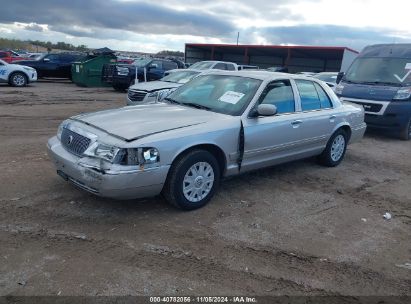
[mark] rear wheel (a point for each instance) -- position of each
(192, 180)
(335, 149)
(406, 132)
(18, 79)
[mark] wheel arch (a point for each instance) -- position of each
(343, 126)
(214, 149)
(18, 71)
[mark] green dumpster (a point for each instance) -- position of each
(88, 71)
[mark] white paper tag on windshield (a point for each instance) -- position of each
(231, 97)
(408, 66)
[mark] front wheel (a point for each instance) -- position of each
(18, 79)
(335, 149)
(406, 132)
(192, 180)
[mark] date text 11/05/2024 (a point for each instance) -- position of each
(238, 299)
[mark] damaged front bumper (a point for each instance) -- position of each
(86, 173)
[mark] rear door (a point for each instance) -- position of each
(318, 117)
(272, 139)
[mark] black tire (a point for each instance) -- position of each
(405, 134)
(173, 188)
(18, 79)
(326, 158)
(119, 88)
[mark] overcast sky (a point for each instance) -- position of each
(151, 26)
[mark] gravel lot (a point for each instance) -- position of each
(295, 229)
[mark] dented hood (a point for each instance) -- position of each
(135, 122)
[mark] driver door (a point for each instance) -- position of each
(155, 70)
(269, 140)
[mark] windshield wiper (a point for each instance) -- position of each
(196, 105)
(170, 100)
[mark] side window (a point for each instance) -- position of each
(169, 65)
(158, 64)
(3, 55)
(53, 57)
(280, 94)
(220, 66)
(230, 67)
(324, 99)
(308, 94)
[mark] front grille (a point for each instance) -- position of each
(368, 107)
(371, 107)
(136, 95)
(74, 142)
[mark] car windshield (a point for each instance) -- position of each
(380, 70)
(326, 77)
(202, 65)
(141, 62)
(180, 76)
(218, 93)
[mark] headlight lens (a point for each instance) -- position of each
(403, 94)
(339, 89)
(137, 156)
(106, 152)
(160, 94)
(60, 129)
(150, 155)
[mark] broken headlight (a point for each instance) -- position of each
(137, 156)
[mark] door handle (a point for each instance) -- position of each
(296, 123)
(332, 117)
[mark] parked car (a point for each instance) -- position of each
(330, 78)
(16, 75)
(153, 91)
(53, 64)
(214, 65)
(121, 76)
(216, 125)
(9, 57)
(380, 80)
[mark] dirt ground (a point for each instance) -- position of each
(294, 229)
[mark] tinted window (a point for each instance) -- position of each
(158, 64)
(169, 65)
(3, 54)
(52, 57)
(230, 67)
(220, 66)
(324, 99)
(308, 94)
(280, 94)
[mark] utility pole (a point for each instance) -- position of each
(238, 36)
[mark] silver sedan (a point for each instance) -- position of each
(217, 125)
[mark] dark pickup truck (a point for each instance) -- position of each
(53, 64)
(121, 76)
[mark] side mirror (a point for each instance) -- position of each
(46, 59)
(264, 110)
(339, 77)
